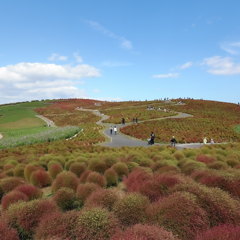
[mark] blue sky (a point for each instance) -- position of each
(119, 50)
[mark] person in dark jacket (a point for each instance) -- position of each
(152, 136)
(173, 141)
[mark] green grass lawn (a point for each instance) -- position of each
(20, 118)
(237, 128)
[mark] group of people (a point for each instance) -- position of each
(205, 141)
(113, 129)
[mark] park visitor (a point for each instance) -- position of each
(136, 120)
(152, 137)
(205, 140)
(173, 141)
(123, 121)
(111, 130)
(133, 120)
(115, 130)
(212, 142)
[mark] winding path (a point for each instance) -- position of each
(121, 139)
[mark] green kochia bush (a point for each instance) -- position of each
(95, 224)
(111, 177)
(131, 209)
(65, 179)
(9, 183)
(97, 178)
(65, 198)
(77, 168)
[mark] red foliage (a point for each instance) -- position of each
(9, 183)
(84, 176)
(40, 178)
(7, 233)
(65, 179)
(143, 182)
(95, 177)
(84, 190)
(221, 232)
(205, 159)
(144, 232)
(31, 191)
(102, 198)
(54, 170)
(57, 226)
(29, 217)
(12, 197)
(180, 214)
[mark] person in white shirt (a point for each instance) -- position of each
(115, 130)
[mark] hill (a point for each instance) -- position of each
(77, 189)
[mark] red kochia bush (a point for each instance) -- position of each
(97, 178)
(54, 170)
(13, 197)
(96, 224)
(65, 179)
(7, 233)
(221, 232)
(144, 232)
(84, 190)
(205, 159)
(57, 226)
(131, 209)
(65, 198)
(102, 198)
(40, 178)
(9, 183)
(77, 168)
(143, 182)
(31, 191)
(180, 214)
(84, 176)
(29, 217)
(219, 206)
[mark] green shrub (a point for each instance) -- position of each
(77, 168)
(65, 198)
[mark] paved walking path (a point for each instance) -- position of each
(48, 121)
(121, 139)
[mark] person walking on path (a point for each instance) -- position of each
(133, 120)
(115, 130)
(205, 140)
(111, 130)
(212, 142)
(123, 121)
(152, 137)
(173, 141)
(136, 120)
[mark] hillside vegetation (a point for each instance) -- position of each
(75, 189)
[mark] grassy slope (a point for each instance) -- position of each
(21, 116)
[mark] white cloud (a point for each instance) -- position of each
(193, 25)
(114, 64)
(221, 66)
(57, 57)
(186, 65)
(96, 90)
(77, 57)
(231, 47)
(172, 75)
(124, 43)
(28, 81)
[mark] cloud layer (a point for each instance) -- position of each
(221, 66)
(170, 75)
(28, 81)
(124, 43)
